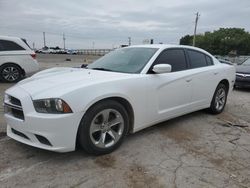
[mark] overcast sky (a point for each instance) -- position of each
(107, 24)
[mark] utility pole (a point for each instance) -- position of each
(195, 27)
(64, 41)
(44, 41)
(129, 41)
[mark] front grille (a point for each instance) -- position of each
(243, 75)
(13, 107)
(15, 101)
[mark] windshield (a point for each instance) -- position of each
(247, 62)
(126, 60)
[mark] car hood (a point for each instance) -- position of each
(243, 68)
(62, 80)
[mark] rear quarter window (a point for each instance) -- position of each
(209, 60)
(197, 59)
(6, 45)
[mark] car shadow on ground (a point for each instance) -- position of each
(242, 89)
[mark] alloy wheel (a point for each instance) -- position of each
(106, 128)
(220, 99)
(10, 73)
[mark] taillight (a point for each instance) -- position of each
(33, 56)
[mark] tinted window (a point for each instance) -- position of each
(197, 59)
(174, 57)
(209, 60)
(6, 45)
(1, 46)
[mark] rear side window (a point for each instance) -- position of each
(197, 59)
(6, 45)
(174, 57)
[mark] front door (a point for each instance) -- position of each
(170, 93)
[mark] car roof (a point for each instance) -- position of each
(18, 40)
(9, 38)
(165, 46)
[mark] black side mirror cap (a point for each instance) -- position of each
(84, 65)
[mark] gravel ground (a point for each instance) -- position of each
(195, 150)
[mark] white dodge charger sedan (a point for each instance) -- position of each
(125, 91)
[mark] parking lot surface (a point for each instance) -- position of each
(195, 150)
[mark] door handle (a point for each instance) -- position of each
(215, 73)
(189, 80)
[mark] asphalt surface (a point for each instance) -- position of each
(195, 150)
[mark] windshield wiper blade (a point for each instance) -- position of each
(102, 69)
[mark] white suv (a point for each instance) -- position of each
(16, 59)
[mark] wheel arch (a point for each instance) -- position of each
(226, 83)
(124, 102)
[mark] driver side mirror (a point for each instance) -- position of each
(84, 65)
(162, 68)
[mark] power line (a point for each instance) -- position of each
(63, 41)
(195, 27)
(44, 40)
(129, 41)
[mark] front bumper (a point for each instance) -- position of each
(54, 132)
(242, 81)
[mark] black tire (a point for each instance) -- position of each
(85, 137)
(213, 107)
(10, 73)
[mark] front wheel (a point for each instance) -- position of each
(103, 127)
(219, 99)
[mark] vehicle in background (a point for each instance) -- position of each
(72, 52)
(51, 51)
(59, 108)
(17, 60)
(46, 51)
(226, 61)
(243, 74)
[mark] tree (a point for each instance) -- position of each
(186, 40)
(222, 41)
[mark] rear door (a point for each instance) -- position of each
(205, 77)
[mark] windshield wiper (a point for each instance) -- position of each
(102, 69)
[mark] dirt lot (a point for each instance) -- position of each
(196, 150)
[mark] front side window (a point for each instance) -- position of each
(197, 59)
(174, 57)
(126, 60)
(6, 45)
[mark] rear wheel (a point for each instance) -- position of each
(10, 73)
(103, 127)
(219, 99)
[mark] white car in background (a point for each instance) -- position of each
(17, 60)
(125, 91)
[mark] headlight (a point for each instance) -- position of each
(6, 98)
(52, 106)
